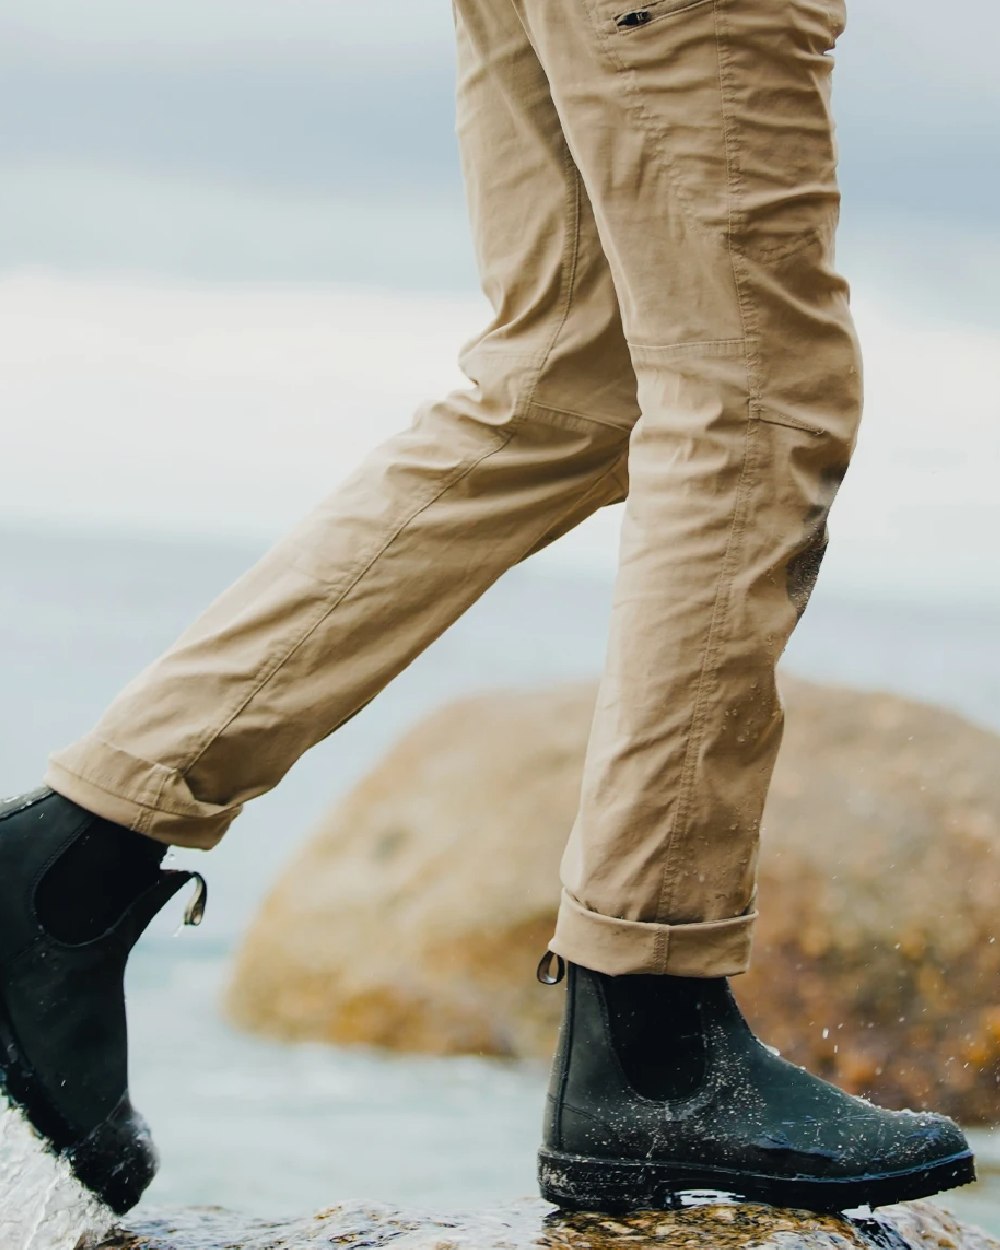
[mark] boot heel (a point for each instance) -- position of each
(578, 1183)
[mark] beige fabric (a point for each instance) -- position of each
(676, 162)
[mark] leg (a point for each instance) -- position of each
(702, 131)
(705, 140)
(311, 634)
(380, 569)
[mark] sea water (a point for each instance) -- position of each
(273, 1128)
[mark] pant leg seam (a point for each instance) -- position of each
(144, 820)
(571, 255)
(649, 123)
(592, 489)
(518, 418)
(577, 419)
(734, 177)
(150, 802)
(720, 614)
(147, 800)
(148, 792)
(272, 669)
(723, 595)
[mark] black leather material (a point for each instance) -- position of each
(753, 1115)
(63, 1033)
(117, 1159)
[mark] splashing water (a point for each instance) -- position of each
(42, 1204)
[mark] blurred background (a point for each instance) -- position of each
(218, 222)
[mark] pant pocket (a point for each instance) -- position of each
(737, 96)
(632, 19)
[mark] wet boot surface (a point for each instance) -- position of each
(69, 1134)
(534, 1225)
(659, 1087)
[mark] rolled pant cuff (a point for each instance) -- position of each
(711, 948)
(136, 794)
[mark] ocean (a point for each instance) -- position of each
(276, 1129)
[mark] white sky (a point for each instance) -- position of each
(150, 149)
(951, 45)
(229, 411)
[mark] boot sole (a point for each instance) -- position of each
(580, 1183)
(114, 1164)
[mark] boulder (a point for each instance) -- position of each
(532, 1225)
(414, 917)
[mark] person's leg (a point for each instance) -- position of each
(703, 134)
(482, 479)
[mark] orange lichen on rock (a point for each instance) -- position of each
(414, 917)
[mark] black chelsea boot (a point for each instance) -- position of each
(659, 1086)
(63, 1036)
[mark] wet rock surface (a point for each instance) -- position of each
(533, 1224)
(414, 918)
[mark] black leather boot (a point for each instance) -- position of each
(659, 1086)
(63, 1039)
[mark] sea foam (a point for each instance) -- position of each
(42, 1204)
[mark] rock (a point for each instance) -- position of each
(535, 1226)
(414, 918)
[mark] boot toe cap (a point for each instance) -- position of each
(913, 1139)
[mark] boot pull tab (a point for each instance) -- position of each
(544, 971)
(194, 913)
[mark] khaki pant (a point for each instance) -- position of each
(654, 201)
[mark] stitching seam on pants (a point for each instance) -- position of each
(593, 489)
(653, 128)
(146, 799)
(276, 664)
(519, 415)
(271, 669)
(768, 418)
(720, 615)
(734, 171)
(721, 347)
(571, 254)
(579, 419)
(723, 595)
(144, 820)
(785, 251)
(479, 347)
